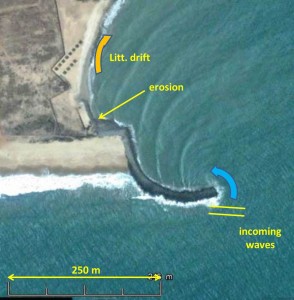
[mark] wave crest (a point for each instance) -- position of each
(112, 13)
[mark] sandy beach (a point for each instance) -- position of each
(89, 155)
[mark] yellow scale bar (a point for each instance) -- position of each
(155, 277)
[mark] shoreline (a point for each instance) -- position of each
(92, 36)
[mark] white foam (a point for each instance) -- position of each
(112, 13)
(166, 202)
(23, 184)
(15, 185)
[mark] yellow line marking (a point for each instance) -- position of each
(102, 115)
(105, 39)
(230, 207)
(155, 277)
(226, 215)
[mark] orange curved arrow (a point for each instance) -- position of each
(104, 40)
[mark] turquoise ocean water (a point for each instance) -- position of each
(235, 60)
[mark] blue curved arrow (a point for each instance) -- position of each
(219, 172)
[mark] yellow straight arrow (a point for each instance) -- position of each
(156, 277)
(102, 116)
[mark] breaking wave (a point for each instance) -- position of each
(14, 185)
(166, 202)
(112, 14)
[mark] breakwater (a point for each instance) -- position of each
(148, 185)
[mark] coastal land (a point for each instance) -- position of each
(46, 124)
(44, 45)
